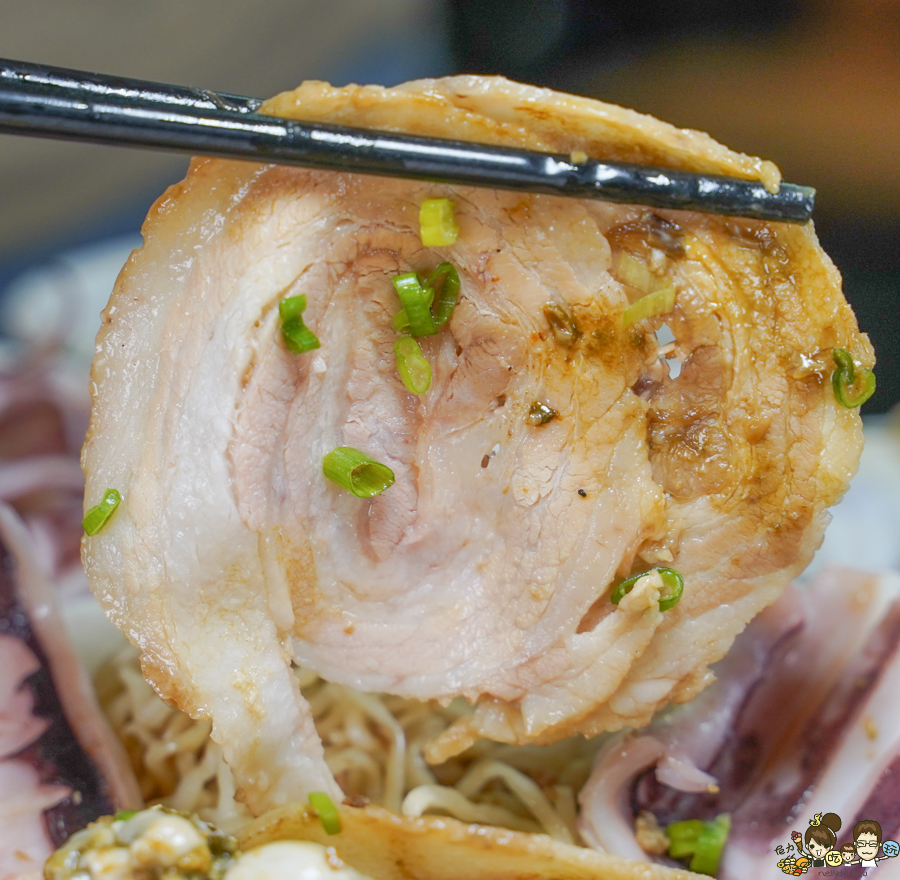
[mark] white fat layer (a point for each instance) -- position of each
(292, 860)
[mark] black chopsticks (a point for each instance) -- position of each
(51, 102)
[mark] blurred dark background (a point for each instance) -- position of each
(813, 85)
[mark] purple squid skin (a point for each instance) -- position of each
(760, 804)
(57, 754)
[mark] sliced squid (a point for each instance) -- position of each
(60, 764)
(797, 718)
(553, 455)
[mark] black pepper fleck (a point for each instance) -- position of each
(582, 493)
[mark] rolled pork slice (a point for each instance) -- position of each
(486, 569)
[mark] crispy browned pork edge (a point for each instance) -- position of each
(495, 110)
(386, 846)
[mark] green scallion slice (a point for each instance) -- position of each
(326, 811)
(633, 272)
(297, 336)
(660, 302)
(449, 291)
(400, 321)
(356, 472)
(673, 587)
(124, 815)
(416, 302)
(98, 516)
(437, 225)
(624, 588)
(853, 385)
(414, 369)
(700, 841)
(683, 837)
(669, 596)
(682, 849)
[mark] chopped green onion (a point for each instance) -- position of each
(98, 516)
(853, 385)
(562, 324)
(673, 587)
(624, 588)
(683, 837)
(689, 829)
(633, 272)
(446, 300)
(660, 302)
(414, 369)
(449, 292)
(400, 321)
(669, 596)
(540, 414)
(682, 849)
(356, 472)
(660, 295)
(702, 841)
(437, 225)
(326, 810)
(122, 815)
(297, 336)
(710, 845)
(416, 301)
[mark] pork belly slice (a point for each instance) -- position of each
(486, 569)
